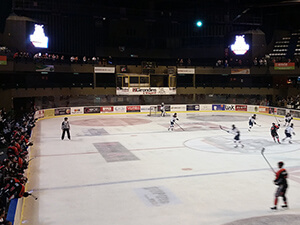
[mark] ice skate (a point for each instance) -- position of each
(274, 208)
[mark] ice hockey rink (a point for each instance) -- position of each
(128, 169)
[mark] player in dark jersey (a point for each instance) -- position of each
(274, 133)
(281, 182)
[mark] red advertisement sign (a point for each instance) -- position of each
(133, 108)
(240, 107)
(107, 109)
(263, 109)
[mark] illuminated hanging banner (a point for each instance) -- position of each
(38, 38)
(240, 47)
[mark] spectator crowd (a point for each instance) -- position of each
(14, 141)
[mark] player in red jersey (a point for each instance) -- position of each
(281, 182)
(274, 133)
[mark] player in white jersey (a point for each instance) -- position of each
(252, 121)
(163, 109)
(289, 130)
(172, 121)
(288, 118)
(236, 134)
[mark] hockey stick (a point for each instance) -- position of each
(35, 198)
(258, 125)
(31, 159)
(179, 126)
(262, 153)
(32, 195)
(223, 129)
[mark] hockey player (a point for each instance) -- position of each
(281, 182)
(252, 121)
(274, 133)
(163, 109)
(65, 126)
(289, 130)
(13, 188)
(288, 118)
(236, 134)
(172, 122)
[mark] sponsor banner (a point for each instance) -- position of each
(62, 111)
(92, 109)
(295, 113)
(240, 107)
(230, 107)
(120, 109)
(185, 70)
(218, 107)
(104, 69)
(3, 60)
(77, 110)
(178, 108)
(146, 91)
(39, 114)
(146, 108)
(252, 108)
(192, 107)
(133, 108)
(44, 68)
(281, 112)
(240, 71)
(49, 112)
(107, 109)
(284, 66)
(205, 107)
(263, 109)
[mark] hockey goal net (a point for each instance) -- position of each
(154, 111)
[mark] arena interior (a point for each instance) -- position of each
(178, 112)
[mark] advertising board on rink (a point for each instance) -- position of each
(218, 107)
(92, 109)
(120, 109)
(62, 111)
(192, 107)
(106, 109)
(49, 112)
(133, 108)
(240, 107)
(104, 69)
(39, 114)
(205, 107)
(178, 108)
(252, 108)
(230, 107)
(146, 91)
(77, 110)
(146, 108)
(263, 109)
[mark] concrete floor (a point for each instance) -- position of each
(130, 170)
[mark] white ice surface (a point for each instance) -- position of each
(190, 177)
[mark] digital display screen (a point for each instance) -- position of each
(38, 38)
(240, 46)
